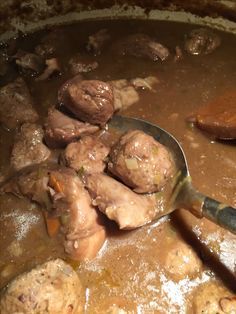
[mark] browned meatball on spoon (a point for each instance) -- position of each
(141, 162)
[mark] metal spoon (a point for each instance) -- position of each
(184, 195)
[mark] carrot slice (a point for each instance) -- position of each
(52, 224)
(53, 181)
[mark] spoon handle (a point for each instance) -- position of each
(219, 213)
(203, 206)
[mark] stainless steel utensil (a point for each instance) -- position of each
(184, 195)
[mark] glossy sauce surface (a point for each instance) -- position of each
(132, 270)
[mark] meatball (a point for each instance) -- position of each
(201, 42)
(212, 297)
(90, 100)
(128, 209)
(180, 261)
(87, 155)
(141, 162)
(28, 147)
(141, 45)
(61, 129)
(53, 287)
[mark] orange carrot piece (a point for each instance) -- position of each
(53, 181)
(53, 225)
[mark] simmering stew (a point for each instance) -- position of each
(77, 198)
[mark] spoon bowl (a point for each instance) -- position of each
(184, 195)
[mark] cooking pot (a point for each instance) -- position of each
(17, 15)
(27, 16)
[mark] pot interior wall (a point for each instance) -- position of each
(17, 15)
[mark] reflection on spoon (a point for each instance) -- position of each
(184, 195)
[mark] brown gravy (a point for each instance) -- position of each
(131, 269)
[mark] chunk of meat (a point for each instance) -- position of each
(53, 288)
(128, 209)
(125, 95)
(87, 155)
(97, 41)
(212, 297)
(16, 104)
(61, 129)
(30, 183)
(149, 83)
(28, 148)
(90, 100)
(218, 117)
(201, 41)
(141, 45)
(45, 49)
(181, 261)
(125, 91)
(52, 67)
(141, 162)
(79, 64)
(82, 225)
(29, 63)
